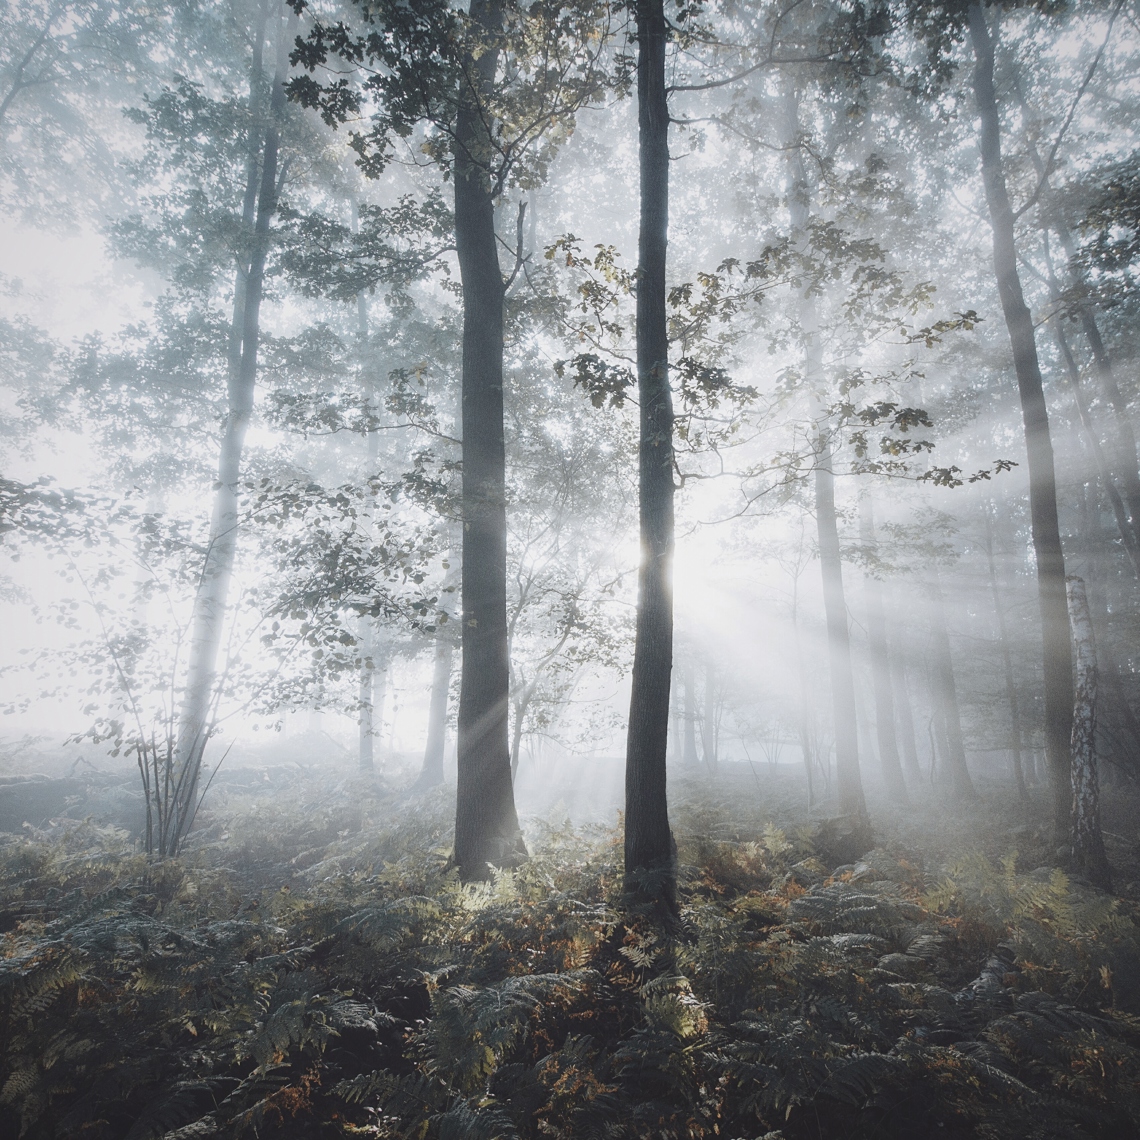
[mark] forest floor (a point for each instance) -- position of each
(310, 967)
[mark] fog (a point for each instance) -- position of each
(627, 514)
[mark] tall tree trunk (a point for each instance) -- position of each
(521, 704)
(690, 754)
(1015, 737)
(906, 719)
(650, 871)
(848, 779)
(367, 622)
(804, 719)
(845, 720)
(253, 148)
(382, 667)
(365, 696)
(206, 623)
(432, 771)
(1085, 835)
(1058, 660)
(486, 824)
(708, 721)
(880, 665)
(946, 697)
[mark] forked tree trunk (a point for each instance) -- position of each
(207, 619)
(880, 666)
(945, 688)
(1011, 697)
(1085, 835)
(487, 830)
(1057, 652)
(650, 871)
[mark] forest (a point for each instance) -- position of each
(570, 569)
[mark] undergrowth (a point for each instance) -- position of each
(312, 971)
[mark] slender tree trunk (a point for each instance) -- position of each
(432, 772)
(253, 147)
(880, 666)
(206, 623)
(708, 722)
(804, 718)
(1085, 835)
(1058, 661)
(946, 695)
(846, 727)
(940, 763)
(691, 760)
(906, 720)
(364, 695)
(521, 703)
(650, 871)
(1115, 719)
(486, 824)
(367, 622)
(382, 665)
(850, 784)
(1015, 737)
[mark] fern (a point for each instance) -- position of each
(359, 988)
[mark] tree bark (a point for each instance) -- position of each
(946, 698)
(199, 697)
(880, 666)
(1015, 737)
(487, 830)
(1085, 835)
(1057, 652)
(650, 870)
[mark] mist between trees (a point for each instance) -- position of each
(535, 517)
